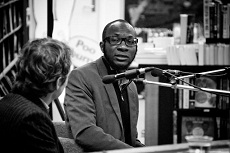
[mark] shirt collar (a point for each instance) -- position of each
(45, 104)
(112, 71)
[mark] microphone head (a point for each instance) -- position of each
(156, 72)
(108, 79)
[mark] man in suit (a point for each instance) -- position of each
(104, 116)
(42, 71)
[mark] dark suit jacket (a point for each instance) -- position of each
(93, 111)
(25, 126)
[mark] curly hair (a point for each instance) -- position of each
(41, 62)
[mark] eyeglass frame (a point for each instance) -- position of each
(121, 40)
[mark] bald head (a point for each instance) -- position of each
(118, 22)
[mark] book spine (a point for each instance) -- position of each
(206, 18)
(218, 127)
(180, 96)
(207, 54)
(190, 28)
(176, 100)
(219, 103)
(201, 55)
(184, 26)
(175, 127)
(211, 54)
(212, 20)
(186, 95)
(216, 54)
(192, 94)
(218, 19)
(228, 19)
(225, 22)
(220, 54)
(225, 87)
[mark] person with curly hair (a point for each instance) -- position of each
(43, 67)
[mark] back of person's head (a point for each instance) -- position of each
(41, 62)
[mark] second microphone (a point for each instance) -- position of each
(130, 74)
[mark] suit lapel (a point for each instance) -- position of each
(113, 100)
(133, 111)
(109, 90)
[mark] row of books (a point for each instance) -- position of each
(216, 19)
(190, 99)
(198, 54)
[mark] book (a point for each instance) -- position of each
(201, 54)
(174, 55)
(182, 55)
(187, 26)
(216, 53)
(220, 54)
(211, 54)
(175, 127)
(197, 126)
(186, 95)
(206, 18)
(226, 20)
(192, 94)
(180, 96)
(218, 18)
(225, 87)
(206, 54)
(226, 54)
(212, 20)
(191, 54)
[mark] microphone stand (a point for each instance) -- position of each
(204, 73)
(174, 79)
(215, 91)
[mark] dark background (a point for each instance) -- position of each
(163, 13)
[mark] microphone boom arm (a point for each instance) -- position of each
(227, 69)
(215, 91)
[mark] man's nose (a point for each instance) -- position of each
(123, 43)
(122, 47)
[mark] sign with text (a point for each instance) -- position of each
(85, 50)
(197, 126)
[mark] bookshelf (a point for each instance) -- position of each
(161, 104)
(216, 21)
(13, 35)
(212, 53)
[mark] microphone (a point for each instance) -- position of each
(130, 74)
(158, 72)
(171, 75)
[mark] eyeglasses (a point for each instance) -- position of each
(114, 40)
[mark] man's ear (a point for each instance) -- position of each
(102, 45)
(58, 83)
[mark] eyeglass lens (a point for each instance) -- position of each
(118, 41)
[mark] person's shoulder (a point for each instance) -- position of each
(19, 106)
(84, 68)
(11, 97)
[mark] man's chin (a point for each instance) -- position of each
(122, 67)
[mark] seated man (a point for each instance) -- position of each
(104, 116)
(42, 73)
